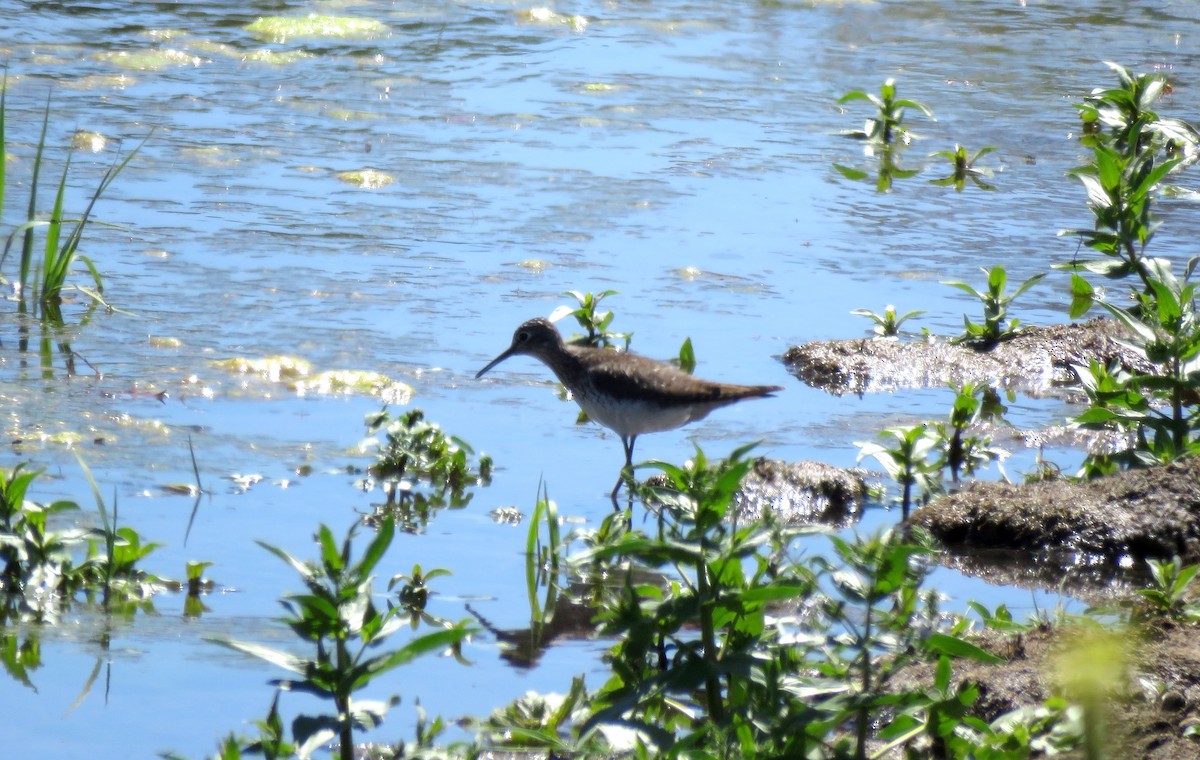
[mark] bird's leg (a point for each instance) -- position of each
(626, 471)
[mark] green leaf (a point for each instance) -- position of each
(305, 570)
(1097, 195)
(1143, 331)
(776, 592)
(379, 545)
(331, 557)
(1027, 285)
(965, 288)
(854, 95)
(1081, 288)
(274, 656)
(1096, 415)
(687, 357)
(431, 642)
(941, 643)
(941, 679)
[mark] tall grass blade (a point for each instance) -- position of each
(31, 213)
(532, 553)
(54, 269)
(65, 256)
(199, 492)
(110, 527)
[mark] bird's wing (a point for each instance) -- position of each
(640, 377)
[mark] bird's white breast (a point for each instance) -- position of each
(634, 417)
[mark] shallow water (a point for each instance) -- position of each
(680, 153)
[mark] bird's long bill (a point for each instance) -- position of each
(493, 363)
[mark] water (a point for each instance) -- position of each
(681, 153)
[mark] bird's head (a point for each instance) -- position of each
(537, 338)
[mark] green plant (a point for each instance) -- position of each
(685, 642)
(537, 721)
(196, 584)
(887, 125)
(1160, 409)
(963, 453)
(542, 563)
(964, 168)
(1169, 594)
(887, 324)
(1124, 116)
(1000, 619)
(117, 565)
(594, 322)
(911, 462)
(877, 600)
(1053, 728)
(421, 467)
(687, 357)
(43, 570)
(995, 308)
(58, 254)
(413, 593)
(886, 171)
(337, 615)
(1134, 149)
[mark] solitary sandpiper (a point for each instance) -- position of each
(624, 392)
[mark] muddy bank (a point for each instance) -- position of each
(1120, 520)
(1037, 361)
(1153, 701)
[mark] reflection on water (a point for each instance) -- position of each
(681, 153)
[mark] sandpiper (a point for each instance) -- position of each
(626, 393)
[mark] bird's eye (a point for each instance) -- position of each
(522, 337)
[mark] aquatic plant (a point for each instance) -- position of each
(887, 324)
(687, 356)
(58, 255)
(995, 308)
(337, 615)
(1160, 409)
(281, 29)
(912, 461)
(542, 563)
(1133, 151)
(887, 124)
(42, 570)
(962, 453)
(724, 646)
(964, 168)
(421, 467)
(594, 322)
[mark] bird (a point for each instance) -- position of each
(625, 392)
